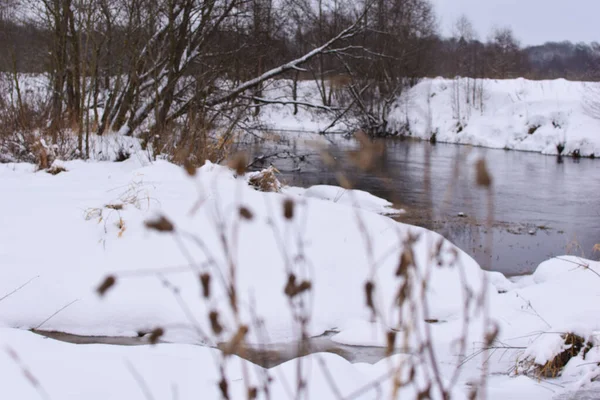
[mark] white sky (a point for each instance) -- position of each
(533, 21)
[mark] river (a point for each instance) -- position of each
(543, 206)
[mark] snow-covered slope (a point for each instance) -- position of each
(61, 235)
(88, 222)
(515, 114)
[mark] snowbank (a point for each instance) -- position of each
(348, 197)
(512, 114)
(62, 234)
(33, 368)
(88, 222)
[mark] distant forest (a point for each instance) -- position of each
(24, 47)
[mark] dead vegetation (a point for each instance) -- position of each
(573, 346)
(56, 169)
(217, 274)
(265, 180)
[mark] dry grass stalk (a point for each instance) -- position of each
(553, 368)
(483, 176)
(369, 154)
(239, 163)
(573, 346)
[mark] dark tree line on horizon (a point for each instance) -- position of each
(25, 46)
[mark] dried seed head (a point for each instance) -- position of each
(491, 335)
(483, 176)
(215, 325)
(189, 167)
(391, 342)
(425, 394)
(303, 287)
(252, 393)
(369, 288)
(239, 163)
(205, 282)
(224, 388)
(160, 224)
(473, 393)
(288, 208)
(246, 214)
(290, 286)
(155, 335)
(108, 282)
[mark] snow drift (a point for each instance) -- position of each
(542, 116)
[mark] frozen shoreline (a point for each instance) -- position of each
(63, 234)
(512, 114)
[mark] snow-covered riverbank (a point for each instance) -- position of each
(517, 114)
(61, 235)
(512, 114)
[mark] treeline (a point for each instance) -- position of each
(172, 72)
(24, 46)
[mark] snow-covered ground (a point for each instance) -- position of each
(519, 114)
(512, 114)
(61, 235)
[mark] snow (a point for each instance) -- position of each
(91, 240)
(517, 114)
(348, 197)
(281, 117)
(67, 371)
(61, 235)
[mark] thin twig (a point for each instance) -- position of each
(140, 381)
(19, 288)
(54, 314)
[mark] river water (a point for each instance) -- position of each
(543, 206)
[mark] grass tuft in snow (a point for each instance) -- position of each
(568, 345)
(56, 169)
(265, 180)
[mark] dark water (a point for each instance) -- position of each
(267, 356)
(542, 206)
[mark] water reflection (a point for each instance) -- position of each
(542, 204)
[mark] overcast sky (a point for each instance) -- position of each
(533, 21)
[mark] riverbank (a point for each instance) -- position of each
(549, 117)
(86, 252)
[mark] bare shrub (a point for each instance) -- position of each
(265, 180)
(573, 345)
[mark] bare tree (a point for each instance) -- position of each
(505, 57)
